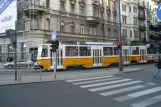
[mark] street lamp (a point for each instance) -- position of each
(119, 36)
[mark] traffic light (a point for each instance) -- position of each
(156, 37)
(12, 35)
(118, 44)
(54, 45)
(157, 47)
(156, 27)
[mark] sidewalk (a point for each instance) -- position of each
(9, 79)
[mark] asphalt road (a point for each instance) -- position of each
(135, 89)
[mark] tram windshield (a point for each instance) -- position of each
(134, 50)
(44, 51)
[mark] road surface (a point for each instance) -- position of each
(135, 89)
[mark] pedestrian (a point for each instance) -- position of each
(158, 68)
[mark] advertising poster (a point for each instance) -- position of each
(8, 14)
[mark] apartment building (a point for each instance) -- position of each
(137, 15)
(78, 21)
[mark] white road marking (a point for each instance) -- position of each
(147, 102)
(93, 81)
(104, 83)
(138, 94)
(114, 86)
(88, 79)
(122, 90)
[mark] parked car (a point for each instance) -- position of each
(20, 63)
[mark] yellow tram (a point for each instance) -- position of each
(93, 54)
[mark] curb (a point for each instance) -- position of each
(20, 83)
(137, 70)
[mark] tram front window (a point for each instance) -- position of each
(135, 50)
(44, 53)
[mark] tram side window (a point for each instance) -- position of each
(107, 51)
(116, 52)
(71, 51)
(85, 51)
(44, 53)
(151, 51)
(135, 51)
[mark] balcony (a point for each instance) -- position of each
(142, 28)
(93, 20)
(141, 16)
(141, 6)
(96, 3)
(33, 9)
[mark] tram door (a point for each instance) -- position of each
(59, 58)
(126, 56)
(142, 55)
(97, 57)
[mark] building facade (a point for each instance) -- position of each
(137, 15)
(74, 21)
(78, 21)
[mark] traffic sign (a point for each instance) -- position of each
(158, 12)
(53, 35)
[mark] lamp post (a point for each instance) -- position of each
(119, 36)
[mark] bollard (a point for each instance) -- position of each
(40, 74)
(54, 65)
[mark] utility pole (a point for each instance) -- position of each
(54, 46)
(60, 22)
(119, 36)
(12, 34)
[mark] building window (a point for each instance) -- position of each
(125, 33)
(115, 33)
(62, 27)
(72, 8)
(135, 34)
(82, 29)
(135, 21)
(124, 19)
(130, 9)
(96, 12)
(82, 11)
(47, 3)
(135, 9)
(62, 6)
(143, 3)
(23, 25)
(130, 33)
(92, 31)
(48, 23)
(148, 23)
(148, 14)
(109, 31)
(123, 7)
(73, 27)
(147, 3)
(115, 19)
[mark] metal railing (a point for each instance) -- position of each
(19, 74)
